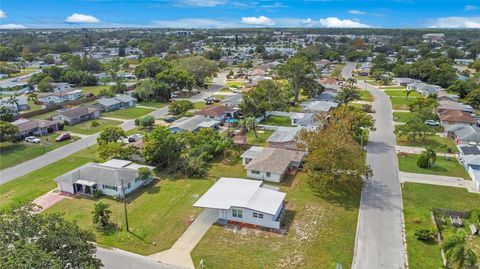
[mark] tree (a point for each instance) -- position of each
(161, 147)
(147, 48)
(45, 85)
(6, 114)
(144, 173)
(115, 150)
(348, 92)
(152, 90)
(250, 123)
(150, 67)
(180, 107)
(8, 131)
(197, 66)
(414, 128)
(268, 95)
(473, 98)
(7, 54)
(145, 121)
(80, 78)
(176, 79)
(31, 240)
(110, 134)
(427, 159)
(101, 214)
(457, 251)
(299, 71)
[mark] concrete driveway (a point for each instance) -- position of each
(457, 182)
(118, 259)
(179, 254)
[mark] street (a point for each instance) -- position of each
(379, 239)
(119, 259)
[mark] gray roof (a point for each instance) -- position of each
(284, 134)
(108, 101)
(305, 119)
(101, 174)
(471, 159)
(125, 98)
(191, 123)
(77, 111)
(326, 96)
(318, 106)
(467, 132)
(26, 124)
(274, 160)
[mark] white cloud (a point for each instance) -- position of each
(81, 18)
(190, 23)
(470, 8)
(201, 3)
(262, 20)
(11, 26)
(454, 22)
(3, 15)
(357, 12)
(334, 22)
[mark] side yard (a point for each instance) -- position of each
(437, 143)
(128, 113)
(87, 128)
(442, 167)
(277, 121)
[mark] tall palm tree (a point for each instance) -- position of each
(457, 251)
(431, 155)
(101, 214)
(250, 123)
(407, 93)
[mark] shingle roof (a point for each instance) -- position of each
(274, 160)
(456, 116)
(78, 111)
(284, 134)
(25, 125)
(214, 111)
(100, 174)
(190, 123)
(469, 133)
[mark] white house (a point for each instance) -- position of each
(244, 201)
(60, 96)
(113, 178)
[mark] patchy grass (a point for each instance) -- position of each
(402, 116)
(95, 90)
(19, 152)
(418, 199)
(437, 143)
(366, 96)
(321, 234)
(153, 104)
(38, 182)
(86, 127)
(260, 140)
(400, 103)
(235, 84)
(277, 121)
(442, 167)
(199, 105)
(128, 113)
(401, 92)
(295, 108)
(157, 216)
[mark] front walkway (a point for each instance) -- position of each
(179, 254)
(49, 199)
(115, 119)
(437, 180)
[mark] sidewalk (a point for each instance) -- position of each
(115, 119)
(437, 180)
(49, 199)
(179, 254)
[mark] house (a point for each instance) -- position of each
(284, 137)
(318, 106)
(450, 117)
(219, 113)
(28, 127)
(463, 134)
(113, 178)
(271, 164)
(423, 88)
(19, 103)
(405, 81)
(60, 96)
(193, 124)
(244, 201)
(453, 105)
(304, 119)
(443, 96)
(77, 114)
(116, 102)
(469, 156)
(475, 175)
(328, 96)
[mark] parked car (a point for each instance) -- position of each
(89, 94)
(169, 120)
(432, 123)
(216, 100)
(63, 137)
(134, 138)
(33, 139)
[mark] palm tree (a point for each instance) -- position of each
(101, 214)
(457, 251)
(407, 93)
(250, 123)
(33, 97)
(431, 156)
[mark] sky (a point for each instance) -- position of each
(20, 14)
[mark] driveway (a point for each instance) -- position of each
(119, 259)
(179, 254)
(24, 168)
(379, 240)
(457, 182)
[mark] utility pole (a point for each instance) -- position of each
(125, 205)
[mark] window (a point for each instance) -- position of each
(269, 174)
(255, 172)
(109, 187)
(236, 213)
(128, 185)
(258, 215)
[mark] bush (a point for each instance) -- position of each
(423, 162)
(180, 107)
(94, 123)
(145, 121)
(97, 194)
(424, 234)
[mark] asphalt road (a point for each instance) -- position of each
(24, 168)
(379, 240)
(119, 259)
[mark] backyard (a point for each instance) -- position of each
(128, 113)
(86, 127)
(18, 152)
(95, 90)
(418, 200)
(442, 167)
(437, 143)
(153, 104)
(277, 121)
(260, 140)
(321, 234)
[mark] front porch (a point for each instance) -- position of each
(84, 187)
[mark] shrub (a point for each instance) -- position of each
(145, 121)
(94, 123)
(180, 107)
(424, 234)
(422, 161)
(97, 193)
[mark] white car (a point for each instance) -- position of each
(33, 139)
(432, 123)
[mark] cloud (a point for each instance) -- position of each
(470, 8)
(11, 26)
(81, 18)
(3, 15)
(334, 22)
(273, 5)
(454, 22)
(190, 23)
(201, 3)
(357, 12)
(262, 20)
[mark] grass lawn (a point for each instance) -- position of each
(235, 84)
(44, 116)
(260, 140)
(220, 96)
(128, 113)
(418, 199)
(402, 116)
(87, 129)
(277, 121)
(295, 108)
(400, 103)
(199, 105)
(366, 95)
(94, 89)
(153, 104)
(24, 71)
(401, 92)
(160, 213)
(442, 167)
(437, 143)
(19, 152)
(321, 233)
(38, 182)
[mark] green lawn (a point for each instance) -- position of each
(220, 96)
(418, 199)
(24, 71)
(437, 143)
(86, 127)
(235, 84)
(128, 113)
(199, 105)
(401, 92)
(260, 140)
(38, 182)
(366, 95)
(157, 216)
(442, 167)
(94, 89)
(400, 103)
(321, 234)
(402, 116)
(153, 104)
(277, 121)
(19, 152)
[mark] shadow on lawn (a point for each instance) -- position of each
(347, 198)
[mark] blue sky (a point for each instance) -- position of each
(239, 13)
